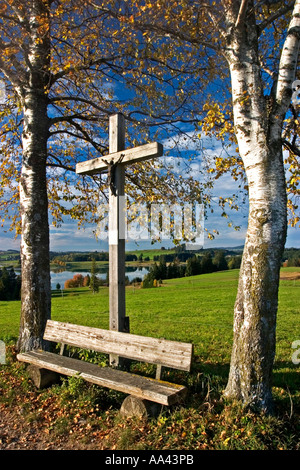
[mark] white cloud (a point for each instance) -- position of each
(67, 237)
(8, 242)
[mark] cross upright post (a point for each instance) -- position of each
(114, 164)
(116, 240)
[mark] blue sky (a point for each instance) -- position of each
(67, 237)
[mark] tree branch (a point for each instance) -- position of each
(242, 14)
(84, 134)
(79, 99)
(291, 147)
(11, 76)
(71, 118)
(273, 17)
(59, 164)
(85, 66)
(18, 76)
(288, 62)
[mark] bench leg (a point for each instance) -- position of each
(134, 406)
(42, 378)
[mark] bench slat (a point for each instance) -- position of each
(168, 353)
(161, 392)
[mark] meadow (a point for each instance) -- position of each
(196, 309)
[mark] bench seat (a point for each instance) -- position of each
(142, 391)
(146, 388)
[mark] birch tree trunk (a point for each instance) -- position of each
(258, 123)
(36, 290)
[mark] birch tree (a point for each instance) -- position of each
(30, 80)
(259, 123)
(252, 46)
(260, 44)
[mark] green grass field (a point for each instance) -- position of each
(151, 253)
(198, 310)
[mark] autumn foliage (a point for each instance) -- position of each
(78, 280)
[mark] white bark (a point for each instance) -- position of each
(288, 61)
(35, 231)
(258, 129)
(36, 289)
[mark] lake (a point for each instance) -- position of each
(59, 277)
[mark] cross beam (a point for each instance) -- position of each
(115, 164)
(134, 155)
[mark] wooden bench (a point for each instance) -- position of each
(142, 391)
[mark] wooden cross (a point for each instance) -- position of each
(114, 164)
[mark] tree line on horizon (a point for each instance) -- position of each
(291, 256)
(10, 284)
(166, 266)
(195, 265)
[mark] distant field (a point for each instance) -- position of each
(86, 265)
(150, 253)
(79, 265)
(198, 309)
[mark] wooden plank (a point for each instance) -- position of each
(133, 155)
(117, 307)
(158, 372)
(116, 241)
(142, 387)
(168, 353)
(116, 133)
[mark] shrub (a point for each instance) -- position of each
(10, 285)
(76, 281)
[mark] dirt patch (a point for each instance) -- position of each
(290, 276)
(16, 433)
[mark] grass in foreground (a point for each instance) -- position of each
(76, 415)
(198, 310)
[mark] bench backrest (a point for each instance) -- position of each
(153, 350)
